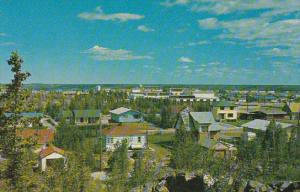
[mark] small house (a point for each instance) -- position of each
(293, 110)
(51, 156)
(82, 117)
(125, 115)
(225, 111)
(135, 137)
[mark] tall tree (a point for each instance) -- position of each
(12, 146)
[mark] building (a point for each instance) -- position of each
(224, 149)
(32, 118)
(51, 155)
(81, 117)
(259, 125)
(225, 110)
(293, 110)
(41, 136)
(125, 115)
(205, 96)
(176, 91)
(135, 137)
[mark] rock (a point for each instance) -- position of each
(254, 184)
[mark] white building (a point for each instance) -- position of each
(205, 95)
(50, 154)
(136, 139)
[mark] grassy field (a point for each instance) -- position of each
(161, 143)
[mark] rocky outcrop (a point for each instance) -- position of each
(276, 186)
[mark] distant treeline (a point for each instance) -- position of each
(63, 87)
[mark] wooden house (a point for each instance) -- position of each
(125, 115)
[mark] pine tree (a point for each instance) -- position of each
(19, 166)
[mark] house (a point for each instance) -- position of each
(50, 155)
(224, 149)
(293, 110)
(200, 122)
(41, 136)
(82, 117)
(125, 115)
(32, 118)
(135, 137)
(269, 114)
(225, 110)
(259, 125)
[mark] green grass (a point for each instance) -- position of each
(162, 144)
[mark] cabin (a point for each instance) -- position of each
(293, 110)
(82, 117)
(135, 137)
(125, 115)
(225, 111)
(51, 156)
(224, 150)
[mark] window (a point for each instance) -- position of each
(231, 108)
(222, 108)
(230, 115)
(139, 139)
(81, 120)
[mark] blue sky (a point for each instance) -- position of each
(141, 41)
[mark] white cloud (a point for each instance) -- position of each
(98, 14)
(260, 32)
(208, 23)
(8, 44)
(270, 7)
(169, 3)
(105, 54)
(185, 60)
(144, 28)
(198, 43)
(214, 63)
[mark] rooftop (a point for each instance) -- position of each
(120, 110)
(49, 150)
(262, 125)
(124, 130)
(203, 117)
(42, 135)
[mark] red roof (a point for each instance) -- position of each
(49, 150)
(43, 135)
(123, 130)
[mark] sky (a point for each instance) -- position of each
(153, 42)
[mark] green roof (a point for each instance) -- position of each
(81, 113)
(224, 104)
(86, 113)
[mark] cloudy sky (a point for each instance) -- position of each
(142, 41)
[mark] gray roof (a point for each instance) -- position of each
(217, 126)
(203, 117)
(120, 110)
(263, 124)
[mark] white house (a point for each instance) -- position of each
(136, 138)
(50, 154)
(205, 95)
